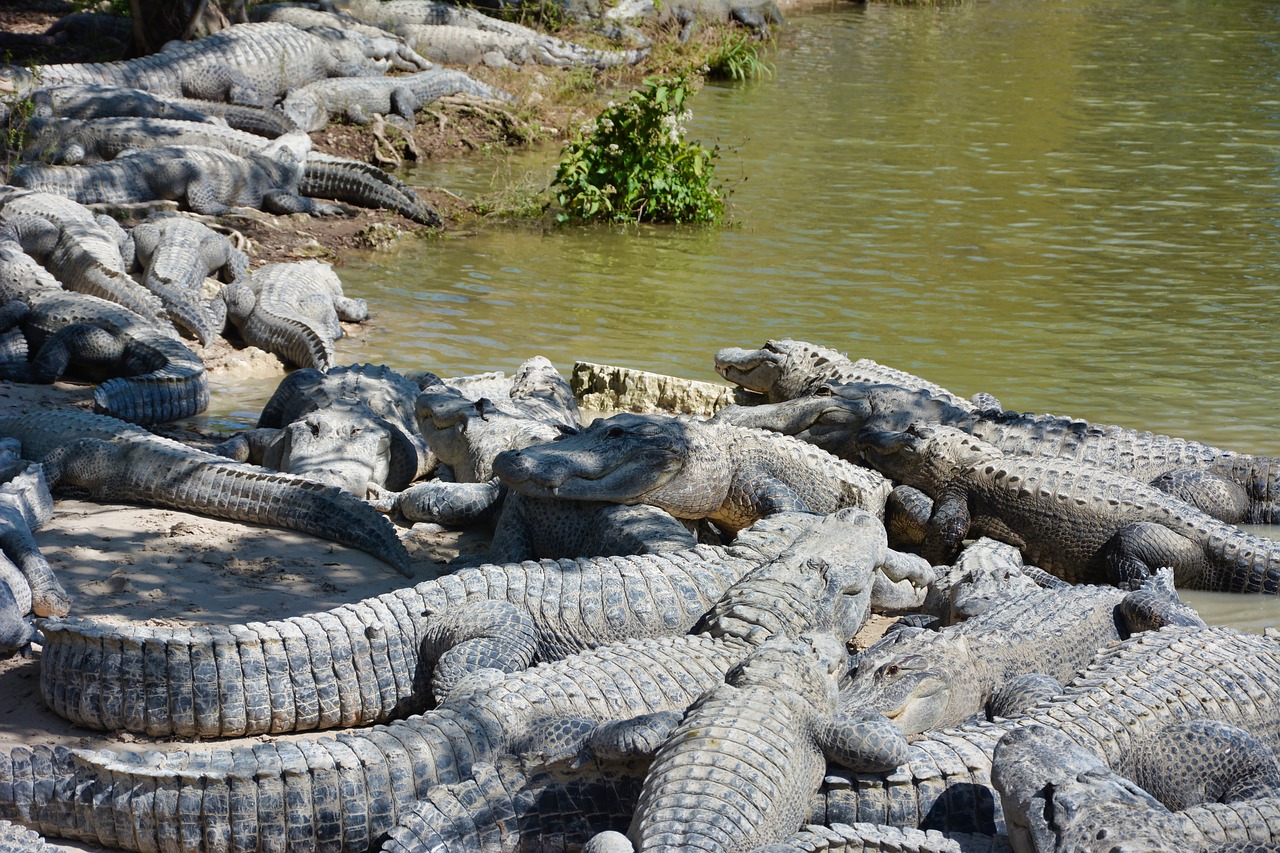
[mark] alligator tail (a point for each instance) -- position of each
(354, 665)
(176, 387)
(353, 182)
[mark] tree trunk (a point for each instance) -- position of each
(157, 22)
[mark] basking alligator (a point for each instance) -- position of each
(201, 179)
(111, 460)
(926, 680)
(1058, 796)
(349, 427)
(786, 369)
(145, 376)
(251, 64)
(1234, 487)
(26, 579)
(293, 310)
(367, 660)
(1080, 522)
(359, 98)
(342, 793)
(692, 469)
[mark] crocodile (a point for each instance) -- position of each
(177, 254)
(692, 469)
(1234, 487)
(107, 459)
(350, 426)
(1129, 691)
(1058, 795)
(345, 791)
(144, 376)
(252, 64)
(75, 247)
(926, 680)
(201, 179)
(372, 667)
(1082, 523)
(358, 98)
(786, 369)
(293, 310)
(743, 765)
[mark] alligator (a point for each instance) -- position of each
(786, 369)
(293, 310)
(177, 254)
(1130, 690)
(926, 680)
(533, 528)
(98, 675)
(201, 179)
(466, 44)
(1235, 487)
(688, 15)
(364, 185)
(358, 98)
(742, 767)
(75, 247)
(251, 64)
(144, 375)
(1082, 523)
(99, 100)
(20, 273)
(1058, 795)
(18, 839)
(349, 427)
(692, 469)
(106, 459)
(26, 504)
(343, 792)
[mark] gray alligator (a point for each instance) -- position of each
(144, 375)
(27, 582)
(1234, 487)
(342, 793)
(532, 528)
(365, 185)
(359, 98)
(688, 15)
(926, 680)
(786, 369)
(743, 765)
(251, 64)
(18, 839)
(692, 469)
(177, 254)
(99, 100)
(350, 427)
(1130, 691)
(1080, 522)
(201, 179)
(293, 310)
(365, 663)
(1059, 796)
(111, 460)
(75, 247)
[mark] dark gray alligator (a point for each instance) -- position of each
(293, 310)
(1232, 486)
(1130, 691)
(342, 793)
(201, 179)
(359, 98)
(251, 64)
(744, 764)
(1079, 522)
(371, 666)
(144, 375)
(99, 100)
(177, 254)
(926, 680)
(786, 369)
(350, 427)
(532, 528)
(1059, 796)
(27, 582)
(692, 469)
(111, 460)
(365, 185)
(75, 247)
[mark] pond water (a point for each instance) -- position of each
(1071, 205)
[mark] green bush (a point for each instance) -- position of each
(633, 163)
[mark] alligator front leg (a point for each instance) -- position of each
(948, 526)
(1135, 552)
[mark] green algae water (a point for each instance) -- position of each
(1071, 205)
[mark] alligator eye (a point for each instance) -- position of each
(615, 432)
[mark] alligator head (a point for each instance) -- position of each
(624, 459)
(1059, 796)
(344, 446)
(894, 678)
(468, 435)
(781, 369)
(926, 457)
